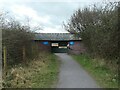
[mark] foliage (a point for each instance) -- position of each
(98, 27)
(16, 37)
(39, 73)
(105, 75)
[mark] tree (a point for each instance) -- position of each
(97, 26)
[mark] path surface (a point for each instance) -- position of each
(72, 75)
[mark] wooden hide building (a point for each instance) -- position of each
(59, 43)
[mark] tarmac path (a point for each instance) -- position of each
(72, 75)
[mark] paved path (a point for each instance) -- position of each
(72, 75)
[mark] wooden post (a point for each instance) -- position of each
(24, 54)
(32, 49)
(5, 57)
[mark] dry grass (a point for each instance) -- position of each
(28, 76)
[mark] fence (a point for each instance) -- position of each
(23, 58)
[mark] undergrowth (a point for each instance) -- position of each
(105, 75)
(40, 73)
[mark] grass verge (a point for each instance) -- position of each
(98, 69)
(39, 73)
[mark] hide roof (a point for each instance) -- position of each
(55, 36)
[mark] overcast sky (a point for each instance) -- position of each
(48, 14)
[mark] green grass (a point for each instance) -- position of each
(48, 77)
(97, 68)
(39, 73)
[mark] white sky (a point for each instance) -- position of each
(48, 14)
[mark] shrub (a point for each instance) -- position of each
(18, 41)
